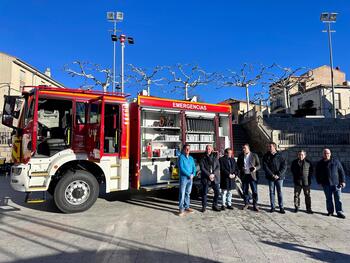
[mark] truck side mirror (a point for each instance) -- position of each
(11, 110)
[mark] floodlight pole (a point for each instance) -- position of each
(114, 54)
(331, 64)
(122, 42)
(330, 18)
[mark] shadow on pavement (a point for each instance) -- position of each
(125, 250)
(314, 253)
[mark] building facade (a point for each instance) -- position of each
(239, 108)
(320, 99)
(14, 74)
(280, 96)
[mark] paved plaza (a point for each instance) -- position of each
(144, 227)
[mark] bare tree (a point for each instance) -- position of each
(146, 77)
(89, 71)
(282, 80)
(188, 77)
(249, 75)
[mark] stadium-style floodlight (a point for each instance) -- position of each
(329, 18)
(114, 17)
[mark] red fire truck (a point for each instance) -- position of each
(69, 141)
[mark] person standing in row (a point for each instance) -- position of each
(248, 164)
(275, 167)
(228, 173)
(302, 170)
(210, 177)
(330, 174)
(187, 169)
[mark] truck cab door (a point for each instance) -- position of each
(94, 125)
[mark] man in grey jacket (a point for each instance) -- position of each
(248, 165)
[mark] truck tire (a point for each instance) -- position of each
(76, 191)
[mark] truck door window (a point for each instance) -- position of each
(80, 113)
(29, 111)
(54, 126)
(94, 116)
(112, 128)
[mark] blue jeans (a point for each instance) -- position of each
(273, 185)
(226, 196)
(329, 191)
(184, 192)
(253, 186)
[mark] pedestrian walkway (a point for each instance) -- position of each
(134, 227)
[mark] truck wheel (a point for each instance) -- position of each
(76, 191)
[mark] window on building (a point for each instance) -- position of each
(301, 86)
(22, 78)
(337, 101)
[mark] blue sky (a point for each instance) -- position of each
(216, 35)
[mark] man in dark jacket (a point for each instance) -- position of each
(330, 174)
(228, 173)
(248, 164)
(302, 170)
(210, 177)
(275, 167)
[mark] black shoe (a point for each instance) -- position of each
(216, 208)
(256, 209)
(245, 207)
(272, 210)
(341, 215)
(229, 207)
(309, 211)
(223, 208)
(296, 210)
(329, 214)
(203, 209)
(282, 211)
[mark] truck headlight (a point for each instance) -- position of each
(16, 170)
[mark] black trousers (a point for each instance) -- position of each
(297, 191)
(216, 188)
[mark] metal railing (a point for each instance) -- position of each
(314, 138)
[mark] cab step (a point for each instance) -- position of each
(29, 200)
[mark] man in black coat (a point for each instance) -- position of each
(330, 174)
(228, 173)
(302, 170)
(248, 164)
(275, 167)
(210, 177)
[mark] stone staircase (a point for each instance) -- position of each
(240, 137)
(293, 134)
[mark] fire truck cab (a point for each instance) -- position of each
(68, 142)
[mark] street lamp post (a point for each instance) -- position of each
(122, 39)
(330, 18)
(114, 17)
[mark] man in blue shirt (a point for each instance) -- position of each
(187, 170)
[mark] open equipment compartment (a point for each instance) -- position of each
(159, 128)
